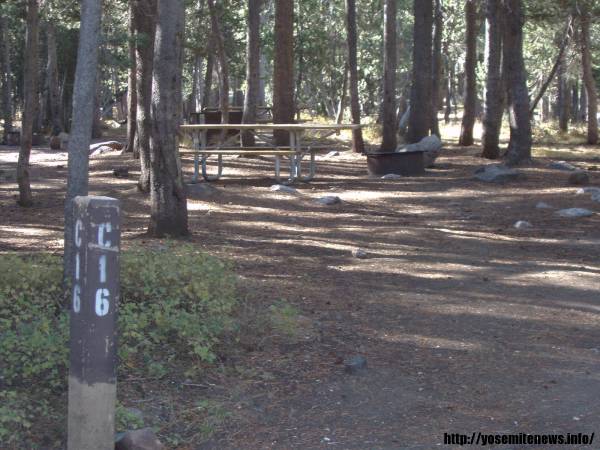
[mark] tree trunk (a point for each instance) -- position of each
(208, 75)
(519, 148)
(390, 126)
(563, 94)
(419, 122)
(224, 69)
(470, 111)
(169, 216)
(84, 91)
(283, 68)
(494, 93)
(52, 76)
(588, 78)
(575, 102)
(252, 69)
(583, 104)
(30, 95)
(358, 144)
(144, 18)
(339, 116)
(6, 77)
(436, 79)
(131, 82)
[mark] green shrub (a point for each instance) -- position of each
(174, 304)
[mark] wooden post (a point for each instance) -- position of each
(95, 294)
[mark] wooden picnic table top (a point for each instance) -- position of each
(270, 126)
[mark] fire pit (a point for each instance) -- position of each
(406, 163)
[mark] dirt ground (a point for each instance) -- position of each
(467, 323)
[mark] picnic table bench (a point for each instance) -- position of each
(295, 152)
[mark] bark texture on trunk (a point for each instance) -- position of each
(6, 78)
(283, 68)
(419, 122)
(563, 94)
(144, 18)
(52, 77)
(30, 94)
(436, 79)
(252, 69)
(588, 78)
(168, 216)
(208, 75)
(494, 94)
(223, 66)
(131, 82)
(84, 92)
(519, 148)
(358, 144)
(390, 126)
(470, 111)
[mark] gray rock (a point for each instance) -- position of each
(588, 190)
(596, 197)
(283, 188)
(574, 213)
(201, 190)
(543, 205)
(579, 178)
(392, 176)
(496, 173)
(143, 439)
(329, 200)
(332, 154)
(431, 146)
(355, 364)
(103, 150)
(64, 140)
(523, 225)
(563, 165)
(114, 145)
(359, 253)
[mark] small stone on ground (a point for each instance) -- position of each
(329, 200)
(543, 205)
(283, 188)
(496, 173)
(574, 213)
(143, 439)
(563, 165)
(355, 364)
(523, 225)
(359, 253)
(392, 176)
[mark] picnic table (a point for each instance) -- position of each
(295, 152)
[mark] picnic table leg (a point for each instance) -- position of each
(205, 174)
(312, 168)
(196, 144)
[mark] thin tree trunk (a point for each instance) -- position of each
(358, 144)
(131, 82)
(390, 125)
(419, 122)
(563, 95)
(252, 69)
(52, 75)
(339, 117)
(494, 93)
(145, 18)
(588, 78)
(208, 75)
(81, 129)
(470, 111)
(436, 79)
(30, 102)
(519, 148)
(283, 68)
(575, 101)
(224, 69)
(583, 104)
(6, 77)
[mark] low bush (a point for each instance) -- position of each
(174, 305)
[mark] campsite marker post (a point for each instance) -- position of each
(93, 317)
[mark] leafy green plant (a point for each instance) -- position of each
(174, 304)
